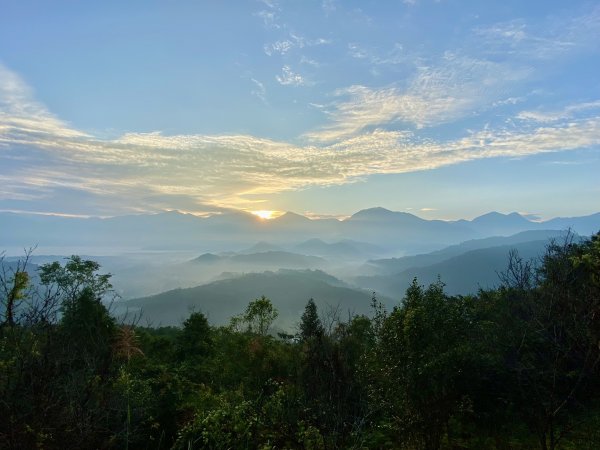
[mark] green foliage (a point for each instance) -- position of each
(258, 317)
(69, 280)
(310, 324)
(20, 281)
(515, 367)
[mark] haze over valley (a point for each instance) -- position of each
(165, 265)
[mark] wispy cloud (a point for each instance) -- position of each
(453, 88)
(281, 47)
(290, 78)
(21, 113)
(259, 90)
(269, 18)
(329, 6)
(568, 112)
(203, 172)
(293, 41)
(545, 39)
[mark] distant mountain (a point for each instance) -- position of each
(403, 231)
(586, 225)
(497, 224)
(279, 259)
(463, 274)
(220, 300)
(260, 247)
(290, 219)
(379, 214)
(396, 265)
(392, 231)
(207, 258)
(345, 250)
(269, 259)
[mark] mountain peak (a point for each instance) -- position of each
(495, 215)
(289, 217)
(382, 214)
(375, 212)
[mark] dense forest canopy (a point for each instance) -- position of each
(515, 367)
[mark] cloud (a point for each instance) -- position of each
(455, 87)
(329, 6)
(308, 61)
(356, 51)
(295, 41)
(269, 19)
(44, 161)
(260, 91)
(544, 40)
(281, 47)
(290, 78)
(567, 112)
(21, 113)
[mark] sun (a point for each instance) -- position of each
(263, 214)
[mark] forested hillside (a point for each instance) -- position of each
(515, 367)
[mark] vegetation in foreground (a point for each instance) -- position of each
(511, 368)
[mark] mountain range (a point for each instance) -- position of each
(391, 232)
(289, 290)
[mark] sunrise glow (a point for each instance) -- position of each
(266, 215)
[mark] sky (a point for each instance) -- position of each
(446, 109)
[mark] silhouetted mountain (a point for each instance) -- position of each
(207, 258)
(290, 219)
(220, 300)
(497, 224)
(397, 232)
(462, 274)
(396, 265)
(379, 214)
(585, 225)
(403, 231)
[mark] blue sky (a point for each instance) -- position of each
(444, 108)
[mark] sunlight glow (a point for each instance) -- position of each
(266, 215)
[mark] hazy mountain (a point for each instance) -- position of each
(396, 265)
(462, 274)
(397, 232)
(497, 224)
(220, 300)
(585, 225)
(271, 259)
(345, 250)
(260, 247)
(403, 231)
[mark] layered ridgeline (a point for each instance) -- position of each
(165, 265)
(289, 291)
(464, 268)
(341, 275)
(388, 230)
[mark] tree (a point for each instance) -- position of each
(195, 340)
(13, 284)
(310, 324)
(259, 316)
(68, 281)
(557, 352)
(426, 364)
